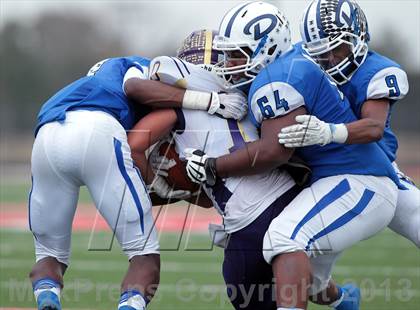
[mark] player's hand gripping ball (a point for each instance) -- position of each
(166, 163)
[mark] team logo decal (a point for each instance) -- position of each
(256, 22)
(345, 15)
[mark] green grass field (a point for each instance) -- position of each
(386, 267)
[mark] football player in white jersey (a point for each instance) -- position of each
(373, 84)
(247, 204)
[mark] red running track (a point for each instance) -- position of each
(171, 218)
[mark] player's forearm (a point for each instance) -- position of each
(370, 127)
(160, 95)
(259, 156)
(154, 93)
(366, 130)
(141, 162)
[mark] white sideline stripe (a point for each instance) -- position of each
(191, 267)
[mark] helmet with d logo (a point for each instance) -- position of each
(255, 32)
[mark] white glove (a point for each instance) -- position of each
(312, 131)
(163, 190)
(160, 164)
(228, 105)
(200, 167)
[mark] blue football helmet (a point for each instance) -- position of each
(329, 25)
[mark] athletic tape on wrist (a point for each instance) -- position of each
(339, 133)
(196, 100)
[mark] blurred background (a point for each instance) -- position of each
(45, 45)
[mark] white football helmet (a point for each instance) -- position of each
(259, 31)
(326, 25)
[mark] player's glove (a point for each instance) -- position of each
(163, 190)
(160, 164)
(200, 167)
(312, 131)
(228, 105)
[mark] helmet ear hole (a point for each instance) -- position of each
(272, 50)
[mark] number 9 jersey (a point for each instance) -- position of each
(378, 78)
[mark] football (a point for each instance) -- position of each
(177, 175)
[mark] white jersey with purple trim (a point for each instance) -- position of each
(174, 71)
(240, 200)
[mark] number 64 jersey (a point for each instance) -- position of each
(240, 200)
(294, 81)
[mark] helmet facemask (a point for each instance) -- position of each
(237, 75)
(342, 71)
(335, 37)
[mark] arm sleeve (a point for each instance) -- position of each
(390, 83)
(273, 100)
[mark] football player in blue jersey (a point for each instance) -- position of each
(348, 198)
(335, 34)
(81, 140)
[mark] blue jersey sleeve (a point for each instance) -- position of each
(390, 83)
(273, 99)
(290, 82)
(281, 87)
(378, 78)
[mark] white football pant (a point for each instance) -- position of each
(331, 215)
(406, 221)
(90, 148)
